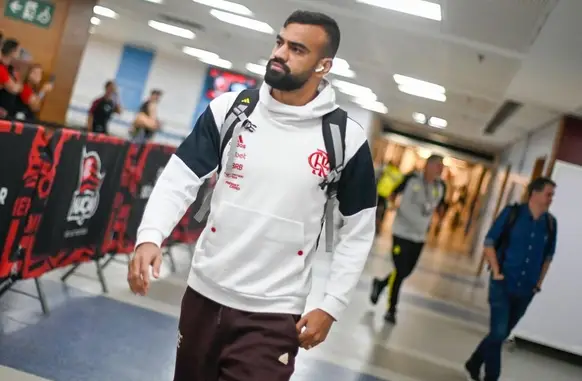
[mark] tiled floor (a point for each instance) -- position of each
(122, 337)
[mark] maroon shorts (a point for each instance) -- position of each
(217, 343)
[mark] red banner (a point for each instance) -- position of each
(72, 197)
(25, 183)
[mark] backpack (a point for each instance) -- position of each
(334, 133)
(502, 243)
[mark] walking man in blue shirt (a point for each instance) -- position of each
(519, 248)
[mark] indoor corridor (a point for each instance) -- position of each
(89, 336)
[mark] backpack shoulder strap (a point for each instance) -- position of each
(512, 216)
(241, 109)
(503, 240)
(551, 221)
(551, 226)
(334, 125)
(237, 115)
(334, 136)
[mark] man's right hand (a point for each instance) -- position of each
(498, 276)
(147, 254)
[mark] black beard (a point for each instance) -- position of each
(283, 81)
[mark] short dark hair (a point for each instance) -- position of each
(157, 92)
(9, 45)
(109, 83)
(434, 157)
(327, 23)
(539, 184)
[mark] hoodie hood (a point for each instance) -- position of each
(323, 104)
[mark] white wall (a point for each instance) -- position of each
(180, 78)
(521, 156)
(539, 144)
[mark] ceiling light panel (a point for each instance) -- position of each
(207, 57)
(420, 8)
(435, 122)
(198, 53)
(419, 117)
(375, 106)
(411, 90)
(418, 83)
(218, 62)
(172, 29)
(104, 12)
(243, 22)
(354, 90)
(256, 69)
(341, 67)
(228, 6)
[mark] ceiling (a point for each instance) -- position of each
(483, 52)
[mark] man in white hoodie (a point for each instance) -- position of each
(242, 315)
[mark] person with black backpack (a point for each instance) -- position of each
(288, 160)
(519, 248)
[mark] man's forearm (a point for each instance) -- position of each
(348, 262)
(491, 256)
(174, 192)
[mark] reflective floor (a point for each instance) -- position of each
(89, 336)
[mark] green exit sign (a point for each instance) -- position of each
(37, 12)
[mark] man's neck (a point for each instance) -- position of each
(5, 61)
(299, 97)
(535, 210)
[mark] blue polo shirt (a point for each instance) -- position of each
(527, 250)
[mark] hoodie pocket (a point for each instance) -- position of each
(253, 253)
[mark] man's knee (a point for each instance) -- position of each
(499, 333)
(405, 273)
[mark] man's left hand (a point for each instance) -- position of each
(317, 324)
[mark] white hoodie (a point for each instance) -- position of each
(256, 251)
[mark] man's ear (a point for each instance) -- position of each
(324, 66)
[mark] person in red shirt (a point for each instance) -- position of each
(30, 98)
(9, 86)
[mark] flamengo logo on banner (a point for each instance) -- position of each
(86, 198)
